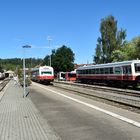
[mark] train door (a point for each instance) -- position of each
(126, 72)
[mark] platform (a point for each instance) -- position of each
(20, 119)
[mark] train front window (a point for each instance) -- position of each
(63, 75)
(71, 75)
(137, 67)
(46, 72)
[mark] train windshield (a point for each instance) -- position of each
(63, 75)
(137, 67)
(46, 72)
(71, 75)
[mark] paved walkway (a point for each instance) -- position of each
(19, 118)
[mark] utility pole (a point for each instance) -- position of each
(50, 39)
(24, 72)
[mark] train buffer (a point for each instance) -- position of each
(20, 119)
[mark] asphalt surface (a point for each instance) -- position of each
(74, 121)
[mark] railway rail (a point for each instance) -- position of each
(3, 84)
(128, 99)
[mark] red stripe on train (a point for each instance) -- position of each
(45, 77)
(108, 77)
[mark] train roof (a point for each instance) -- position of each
(109, 64)
(41, 67)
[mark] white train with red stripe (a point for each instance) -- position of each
(43, 74)
(126, 73)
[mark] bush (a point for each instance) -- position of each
(27, 82)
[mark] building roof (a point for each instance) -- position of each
(9, 71)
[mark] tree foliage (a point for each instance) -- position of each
(62, 59)
(1, 70)
(130, 51)
(111, 40)
(14, 63)
(135, 43)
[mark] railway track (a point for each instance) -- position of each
(128, 99)
(3, 84)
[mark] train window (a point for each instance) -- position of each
(127, 70)
(93, 71)
(137, 67)
(36, 72)
(102, 71)
(97, 71)
(78, 71)
(63, 75)
(111, 70)
(86, 71)
(71, 75)
(90, 71)
(106, 70)
(118, 70)
(46, 72)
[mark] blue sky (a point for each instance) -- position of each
(74, 23)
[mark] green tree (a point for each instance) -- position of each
(98, 52)
(19, 72)
(1, 69)
(13, 63)
(62, 59)
(136, 45)
(46, 60)
(111, 39)
(118, 55)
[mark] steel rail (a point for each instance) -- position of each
(3, 84)
(124, 97)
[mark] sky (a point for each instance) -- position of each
(73, 23)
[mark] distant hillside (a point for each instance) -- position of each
(13, 63)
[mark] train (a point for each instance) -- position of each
(71, 76)
(125, 73)
(2, 75)
(61, 76)
(66, 76)
(42, 74)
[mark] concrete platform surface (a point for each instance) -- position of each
(19, 118)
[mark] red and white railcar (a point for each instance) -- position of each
(70, 76)
(126, 72)
(67, 76)
(42, 74)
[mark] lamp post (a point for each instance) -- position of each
(24, 73)
(49, 39)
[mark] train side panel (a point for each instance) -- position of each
(127, 72)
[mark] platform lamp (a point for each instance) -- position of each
(24, 73)
(49, 39)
